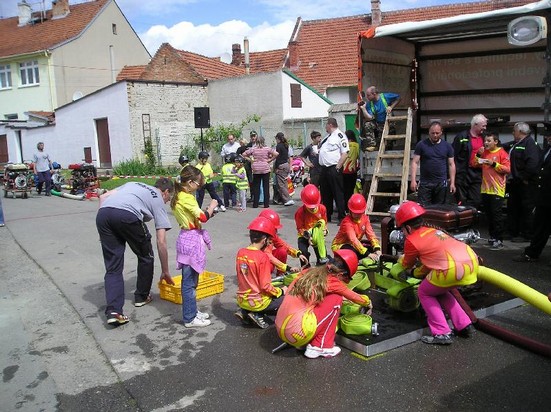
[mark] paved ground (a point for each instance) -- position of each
(58, 354)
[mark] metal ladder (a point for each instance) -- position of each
(382, 171)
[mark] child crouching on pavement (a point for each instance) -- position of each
(312, 304)
(191, 242)
(311, 223)
(354, 227)
(256, 296)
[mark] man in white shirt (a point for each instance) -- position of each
(43, 169)
(333, 151)
(230, 147)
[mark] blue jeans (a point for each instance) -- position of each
(190, 278)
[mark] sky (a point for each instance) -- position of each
(210, 27)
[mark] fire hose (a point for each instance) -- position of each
(520, 290)
(67, 195)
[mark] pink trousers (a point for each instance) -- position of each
(327, 313)
(435, 300)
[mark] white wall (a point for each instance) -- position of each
(339, 95)
(76, 127)
(312, 104)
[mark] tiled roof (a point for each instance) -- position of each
(48, 34)
(265, 61)
(131, 72)
(211, 68)
(328, 48)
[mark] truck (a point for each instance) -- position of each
(450, 69)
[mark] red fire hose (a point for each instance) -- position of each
(502, 333)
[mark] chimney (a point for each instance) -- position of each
(25, 13)
(375, 12)
(247, 57)
(60, 9)
(293, 55)
(236, 54)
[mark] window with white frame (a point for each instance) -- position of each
(5, 76)
(29, 73)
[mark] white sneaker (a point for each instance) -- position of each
(314, 352)
(223, 208)
(197, 322)
(289, 202)
(202, 315)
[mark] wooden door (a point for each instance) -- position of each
(104, 145)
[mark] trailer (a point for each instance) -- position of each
(450, 69)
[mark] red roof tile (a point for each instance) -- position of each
(48, 34)
(131, 72)
(328, 48)
(211, 68)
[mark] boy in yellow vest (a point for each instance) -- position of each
(228, 181)
(241, 183)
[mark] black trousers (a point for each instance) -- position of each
(520, 208)
(468, 193)
(263, 179)
(331, 188)
(349, 184)
(542, 230)
(493, 207)
(117, 227)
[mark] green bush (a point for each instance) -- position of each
(135, 167)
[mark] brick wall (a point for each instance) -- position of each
(170, 108)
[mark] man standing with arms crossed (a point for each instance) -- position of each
(333, 151)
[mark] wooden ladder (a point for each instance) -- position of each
(382, 172)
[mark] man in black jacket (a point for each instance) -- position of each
(525, 158)
(467, 178)
(542, 215)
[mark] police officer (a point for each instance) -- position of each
(333, 151)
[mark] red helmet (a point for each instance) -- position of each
(357, 203)
(272, 216)
(310, 196)
(350, 258)
(407, 211)
(261, 224)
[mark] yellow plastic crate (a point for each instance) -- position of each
(210, 283)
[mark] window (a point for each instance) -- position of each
(114, 28)
(296, 98)
(11, 116)
(5, 76)
(29, 73)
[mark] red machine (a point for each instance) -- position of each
(84, 179)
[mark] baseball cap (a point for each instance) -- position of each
(253, 133)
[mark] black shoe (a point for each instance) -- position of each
(242, 315)
(437, 339)
(115, 318)
(140, 303)
(524, 258)
(467, 332)
(258, 319)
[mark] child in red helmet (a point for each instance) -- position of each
(311, 222)
(356, 233)
(279, 249)
(445, 264)
(256, 296)
(311, 306)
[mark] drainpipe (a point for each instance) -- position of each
(51, 80)
(247, 61)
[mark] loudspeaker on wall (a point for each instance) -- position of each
(202, 117)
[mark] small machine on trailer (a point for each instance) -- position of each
(18, 179)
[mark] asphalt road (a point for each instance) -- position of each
(59, 354)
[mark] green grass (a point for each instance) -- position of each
(116, 182)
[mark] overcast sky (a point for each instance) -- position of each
(210, 27)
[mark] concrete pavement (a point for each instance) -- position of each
(58, 353)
